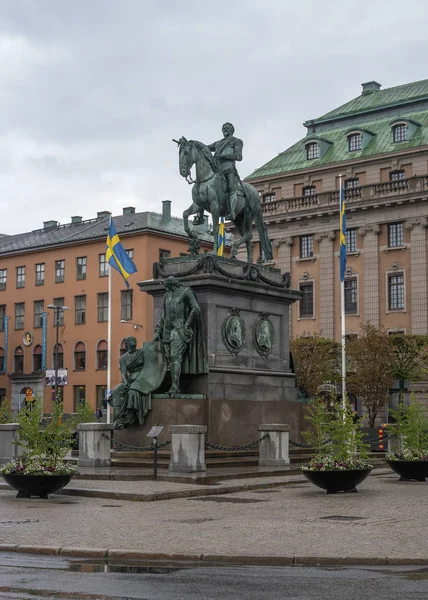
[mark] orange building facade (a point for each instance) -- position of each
(65, 265)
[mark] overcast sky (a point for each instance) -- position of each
(93, 91)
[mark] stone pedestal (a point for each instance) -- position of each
(187, 448)
(273, 450)
(8, 450)
(249, 379)
(94, 448)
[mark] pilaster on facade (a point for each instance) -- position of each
(284, 246)
(418, 274)
(326, 282)
(371, 273)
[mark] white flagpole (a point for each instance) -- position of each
(109, 342)
(342, 313)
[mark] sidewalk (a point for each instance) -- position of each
(268, 520)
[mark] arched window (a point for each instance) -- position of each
(37, 358)
(2, 360)
(79, 356)
(60, 356)
(122, 347)
(102, 355)
(18, 357)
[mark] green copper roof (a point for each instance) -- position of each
(417, 90)
(294, 158)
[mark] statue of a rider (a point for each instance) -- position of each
(226, 152)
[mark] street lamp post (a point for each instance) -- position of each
(56, 310)
(135, 325)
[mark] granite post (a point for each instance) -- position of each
(8, 450)
(94, 448)
(273, 450)
(187, 448)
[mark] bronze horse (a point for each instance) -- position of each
(209, 194)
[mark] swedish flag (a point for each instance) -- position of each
(116, 255)
(342, 233)
(221, 237)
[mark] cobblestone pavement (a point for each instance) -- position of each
(386, 518)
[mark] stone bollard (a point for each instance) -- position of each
(94, 448)
(8, 450)
(273, 451)
(187, 448)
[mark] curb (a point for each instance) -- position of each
(209, 559)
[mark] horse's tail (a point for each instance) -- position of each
(265, 242)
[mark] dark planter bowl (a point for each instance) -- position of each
(36, 485)
(337, 481)
(410, 469)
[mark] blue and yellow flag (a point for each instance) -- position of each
(221, 237)
(342, 233)
(116, 255)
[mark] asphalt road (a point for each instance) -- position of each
(25, 577)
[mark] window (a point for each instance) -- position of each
(309, 190)
(396, 175)
(396, 291)
(3, 278)
(19, 315)
(79, 393)
(306, 246)
(164, 254)
(79, 356)
(307, 302)
(2, 361)
(102, 265)
(352, 183)
(351, 296)
(80, 310)
(60, 356)
(59, 313)
(122, 348)
(102, 307)
(351, 240)
(102, 355)
(81, 267)
(59, 271)
(395, 235)
(130, 253)
(126, 305)
(20, 277)
(354, 142)
(18, 359)
(312, 151)
(37, 358)
(269, 197)
(2, 316)
(399, 132)
(40, 274)
(39, 307)
(101, 395)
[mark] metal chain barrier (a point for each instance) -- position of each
(141, 448)
(235, 448)
(379, 439)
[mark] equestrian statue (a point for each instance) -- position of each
(219, 190)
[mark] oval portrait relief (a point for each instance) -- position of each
(233, 331)
(264, 335)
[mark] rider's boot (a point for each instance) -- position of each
(233, 198)
(175, 369)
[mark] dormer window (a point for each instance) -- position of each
(399, 132)
(312, 151)
(354, 142)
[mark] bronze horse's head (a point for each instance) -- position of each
(185, 158)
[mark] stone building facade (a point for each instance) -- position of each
(378, 143)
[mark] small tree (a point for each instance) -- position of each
(411, 428)
(6, 413)
(370, 359)
(315, 361)
(410, 360)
